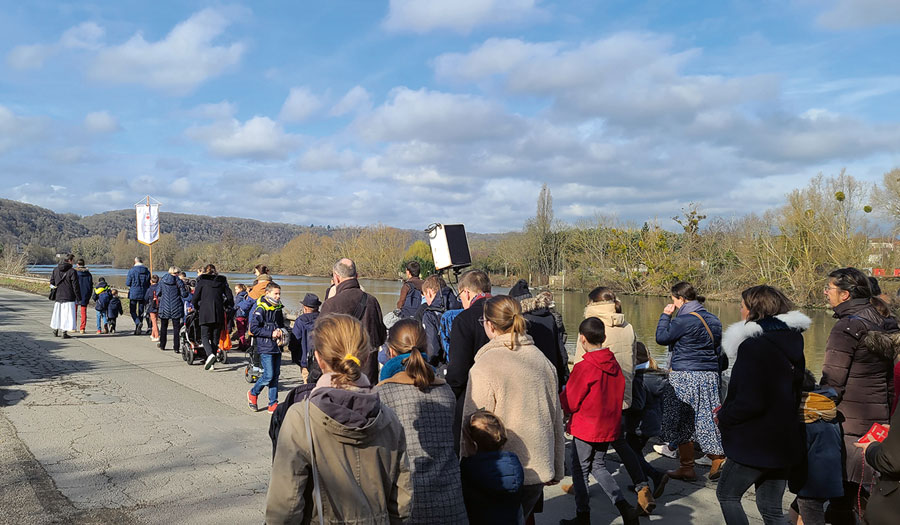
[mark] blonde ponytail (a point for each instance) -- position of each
(505, 314)
(343, 345)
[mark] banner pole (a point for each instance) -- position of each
(150, 245)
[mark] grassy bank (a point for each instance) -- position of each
(25, 285)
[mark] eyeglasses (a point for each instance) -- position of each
(830, 287)
(481, 320)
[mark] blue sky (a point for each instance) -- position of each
(409, 112)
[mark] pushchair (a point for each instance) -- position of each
(253, 370)
(191, 345)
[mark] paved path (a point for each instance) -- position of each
(109, 429)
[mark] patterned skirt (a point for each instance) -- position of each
(688, 410)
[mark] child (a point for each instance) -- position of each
(643, 419)
(101, 303)
(114, 309)
(242, 310)
(593, 396)
(152, 299)
(492, 479)
(267, 325)
(301, 343)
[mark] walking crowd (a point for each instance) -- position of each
(456, 406)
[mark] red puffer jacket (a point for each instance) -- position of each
(593, 396)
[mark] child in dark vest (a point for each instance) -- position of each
(492, 479)
(101, 305)
(593, 397)
(267, 326)
(114, 309)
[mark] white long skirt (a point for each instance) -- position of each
(63, 316)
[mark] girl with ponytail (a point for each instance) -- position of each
(513, 379)
(340, 418)
(425, 405)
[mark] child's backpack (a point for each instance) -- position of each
(412, 302)
(446, 326)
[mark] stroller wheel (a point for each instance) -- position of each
(222, 356)
(187, 353)
(247, 375)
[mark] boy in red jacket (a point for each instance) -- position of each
(593, 397)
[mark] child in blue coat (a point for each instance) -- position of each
(114, 309)
(492, 479)
(101, 303)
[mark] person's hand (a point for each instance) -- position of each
(863, 446)
(886, 427)
(669, 309)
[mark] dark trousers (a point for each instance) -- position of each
(112, 324)
(638, 442)
(737, 478)
(209, 336)
(164, 328)
(137, 310)
(589, 458)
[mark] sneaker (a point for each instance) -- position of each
(272, 407)
(704, 461)
(99, 331)
(154, 339)
(56, 333)
(65, 335)
(665, 451)
(82, 331)
(252, 400)
(210, 361)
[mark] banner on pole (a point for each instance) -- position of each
(147, 223)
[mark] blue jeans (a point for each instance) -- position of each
(737, 478)
(101, 320)
(271, 365)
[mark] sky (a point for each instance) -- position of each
(408, 112)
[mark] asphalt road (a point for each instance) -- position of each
(109, 429)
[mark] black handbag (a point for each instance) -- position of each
(52, 293)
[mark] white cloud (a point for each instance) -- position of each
(326, 157)
(29, 56)
(178, 63)
(88, 35)
(16, 130)
(300, 104)
(434, 116)
(854, 14)
(357, 99)
(100, 122)
(259, 138)
(220, 110)
(461, 16)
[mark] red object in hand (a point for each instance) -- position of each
(877, 433)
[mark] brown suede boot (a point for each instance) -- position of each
(716, 469)
(686, 471)
(646, 503)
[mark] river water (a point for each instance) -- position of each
(642, 312)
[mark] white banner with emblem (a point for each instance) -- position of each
(147, 223)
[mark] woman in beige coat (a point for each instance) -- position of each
(620, 339)
(515, 381)
(341, 453)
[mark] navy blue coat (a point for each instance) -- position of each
(138, 280)
(115, 308)
(264, 319)
(152, 306)
(431, 320)
(688, 341)
(820, 473)
(101, 301)
(243, 303)
(647, 394)
(492, 487)
(85, 285)
(172, 293)
(301, 343)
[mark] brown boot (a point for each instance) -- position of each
(686, 471)
(646, 503)
(716, 469)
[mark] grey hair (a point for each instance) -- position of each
(139, 259)
(174, 270)
(344, 270)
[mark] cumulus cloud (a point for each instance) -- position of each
(855, 14)
(461, 16)
(100, 122)
(16, 130)
(301, 103)
(87, 35)
(326, 157)
(259, 138)
(357, 99)
(178, 63)
(433, 116)
(219, 110)
(30, 56)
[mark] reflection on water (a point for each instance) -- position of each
(642, 312)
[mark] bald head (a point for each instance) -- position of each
(344, 269)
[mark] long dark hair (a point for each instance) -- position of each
(604, 294)
(856, 283)
(685, 290)
(408, 337)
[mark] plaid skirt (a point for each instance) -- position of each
(688, 405)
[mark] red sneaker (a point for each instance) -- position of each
(272, 407)
(252, 399)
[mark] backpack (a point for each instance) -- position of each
(412, 302)
(298, 393)
(446, 326)
(156, 298)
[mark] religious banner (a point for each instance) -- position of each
(147, 223)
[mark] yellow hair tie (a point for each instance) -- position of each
(351, 357)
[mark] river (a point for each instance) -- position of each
(642, 312)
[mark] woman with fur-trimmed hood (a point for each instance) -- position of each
(762, 435)
(543, 328)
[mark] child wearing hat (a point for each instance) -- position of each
(101, 303)
(301, 345)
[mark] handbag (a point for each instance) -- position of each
(52, 296)
(720, 355)
(317, 491)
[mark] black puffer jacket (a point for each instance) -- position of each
(65, 279)
(863, 379)
(211, 297)
(541, 326)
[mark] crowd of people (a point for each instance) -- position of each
(456, 406)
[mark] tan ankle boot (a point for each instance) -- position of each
(646, 503)
(686, 471)
(716, 469)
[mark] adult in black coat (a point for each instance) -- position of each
(542, 327)
(467, 336)
(65, 281)
(761, 432)
(211, 297)
(884, 503)
(172, 292)
(86, 287)
(348, 299)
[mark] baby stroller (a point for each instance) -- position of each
(254, 370)
(191, 345)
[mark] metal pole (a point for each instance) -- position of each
(150, 245)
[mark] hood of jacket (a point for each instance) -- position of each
(81, 269)
(496, 471)
(503, 341)
(168, 279)
(534, 304)
(351, 413)
(263, 277)
(603, 360)
(885, 345)
(64, 266)
(520, 290)
(740, 331)
(218, 280)
(606, 312)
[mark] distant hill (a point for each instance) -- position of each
(29, 224)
